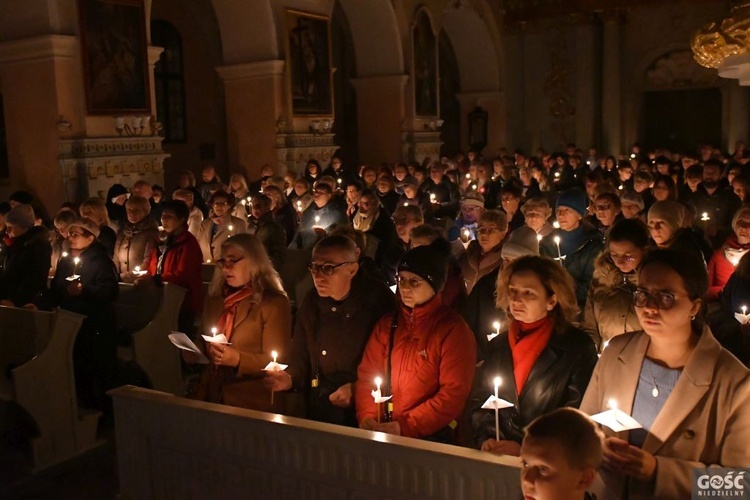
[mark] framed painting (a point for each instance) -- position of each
(115, 61)
(425, 68)
(308, 62)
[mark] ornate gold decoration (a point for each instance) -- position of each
(715, 42)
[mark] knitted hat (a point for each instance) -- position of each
(575, 199)
(521, 242)
(427, 262)
(473, 199)
(632, 198)
(21, 216)
(671, 212)
(86, 224)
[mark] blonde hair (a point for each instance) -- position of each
(95, 209)
(540, 204)
(264, 277)
(241, 179)
(555, 280)
(139, 202)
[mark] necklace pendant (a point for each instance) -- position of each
(655, 392)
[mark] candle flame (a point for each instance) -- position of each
(497, 382)
(496, 325)
(612, 403)
(538, 237)
(76, 261)
(275, 355)
(214, 331)
(556, 225)
(378, 381)
(231, 227)
(65, 254)
(557, 240)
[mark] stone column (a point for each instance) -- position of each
(41, 81)
(738, 111)
(587, 81)
(611, 92)
(381, 110)
(254, 97)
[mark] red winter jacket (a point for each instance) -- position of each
(182, 266)
(720, 268)
(433, 362)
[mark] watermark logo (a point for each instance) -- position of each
(721, 482)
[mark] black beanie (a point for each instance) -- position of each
(427, 262)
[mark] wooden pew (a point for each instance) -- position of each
(36, 372)
(149, 315)
(171, 447)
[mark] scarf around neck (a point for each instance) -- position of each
(232, 297)
(527, 341)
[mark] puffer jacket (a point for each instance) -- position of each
(133, 247)
(432, 363)
(558, 378)
(609, 307)
(580, 262)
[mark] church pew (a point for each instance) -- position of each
(148, 315)
(171, 447)
(36, 372)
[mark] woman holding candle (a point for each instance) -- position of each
(689, 394)
(609, 308)
(256, 320)
(91, 294)
(425, 354)
(238, 188)
(96, 210)
(725, 259)
(135, 239)
(543, 361)
(221, 225)
(283, 211)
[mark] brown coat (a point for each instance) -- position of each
(261, 325)
(211, 247)
(704, 422)
(475, 266)
(133, 247)
(609, 309)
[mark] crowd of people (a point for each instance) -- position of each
(562, 281)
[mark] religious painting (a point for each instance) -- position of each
(115, 62)
(425, 67)
(308, 59)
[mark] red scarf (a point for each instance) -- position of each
(527, 341)
(226, 320)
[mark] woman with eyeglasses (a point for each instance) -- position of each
(255, 319)
(219, 226)
(176, 258)
(543, 361)
(85, 282)
(609, 307)
(424, 353)
(688, 393)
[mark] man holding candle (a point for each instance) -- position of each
(579, 244)
(426, 354)
(333, 323)
(319, 217)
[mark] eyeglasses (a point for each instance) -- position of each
(621, 259)
(326, 269)
(487, 230)
(227, 262)
(405, 282)
(402, 221)
(662, 300)
(601, 208)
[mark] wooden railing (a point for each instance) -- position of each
(171, 447)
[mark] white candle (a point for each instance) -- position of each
(275, 355)
(705, 216)
(137, 269)
(559, 255)
(376, 395)
(214, 331)
(467, 234)
(496, 326)
(433, 198)
(744, 310)
(497, 383)
(317, 219)
(612, 404)
(75, 264)
(299, 205)
(378, 383)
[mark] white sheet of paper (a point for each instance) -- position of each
(73, 278)
(140, 273)
(742, 318)
(275, 367)
(617, 420)
(182, 341)
(216, 339)
(494, 403)
(491, 336)
(394, 288)
(378, 398)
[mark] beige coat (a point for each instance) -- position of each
(475, 266)
(609, 309)
(211, 247)
(704, 422)
(261, 325)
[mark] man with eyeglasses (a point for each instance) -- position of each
(333, 325)
(465, 227)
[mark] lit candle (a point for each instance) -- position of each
(338, 181)
(468, 176)
(466, 234)
(231, 228)
(433, 198)
(556, 225)
(744, 310)
(377, 395)
(274, 355)
(559, 255)
(244, 202)
(632, 155)
(621, 187)
(539, 237)
(317, 219)
(208, 261)
(474, 186)
(557, 175)
(137, 269)
(214, 331)
(75, 265)
(496, 326)
(161, 229)
(497, 383)
(64, 254)
(705, 216)
(299, 205)
(406, 204)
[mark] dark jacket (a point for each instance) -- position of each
(286, 215)
(330, 215)
(447, 197)
(580, 262)
(720, 206)
(384, 230)
(344, 174)
(686, 240)
(273, 237)
(480, 313)
(27, 263)
(559, 378)
(389, 200)
(133, 247)
(329, 339)
(107, 237)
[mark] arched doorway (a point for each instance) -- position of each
(343, 59)
(450, 106)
